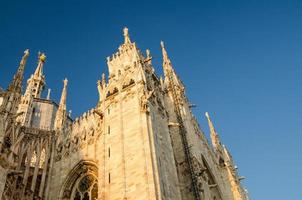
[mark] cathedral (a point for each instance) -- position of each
(140, 141)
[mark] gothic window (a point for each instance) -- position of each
(86, 188)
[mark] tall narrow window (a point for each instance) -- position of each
(109, 178)
(109, 152)
(108, 129)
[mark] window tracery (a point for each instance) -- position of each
(86, 188)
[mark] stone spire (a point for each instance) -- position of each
(218, 148)
(61, 113)
(164, 51)
(214, 136)
(64, 95)
(126, 36)
(16, 84)
(36, 82)
(168, 69)
(167, 65)
(41, 61)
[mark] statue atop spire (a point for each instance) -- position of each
(148, 56)
(126, 36)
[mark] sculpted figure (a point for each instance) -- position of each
(144, 100)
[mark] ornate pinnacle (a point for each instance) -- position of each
(25, 56)
(16, 84)
(214, 136)
(207, 115)
(26, 52)
(126, 36)
(162, 44)
(62, 105)
(65, 81)
(211, 126)
(148, 53)
(61, 113)
(165, 54)
(41, 60)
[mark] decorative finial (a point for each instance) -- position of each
(207, 115)
(126, 36)
(26, 52)
(148, 53)
(24, 57)
(165, 54)
(42, 57)
(162, 44)
(65, 81)
(149, 57)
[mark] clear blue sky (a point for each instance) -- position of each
(240, 60)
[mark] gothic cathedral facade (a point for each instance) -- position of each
(140, 142)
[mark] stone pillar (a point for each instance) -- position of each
(3, 175)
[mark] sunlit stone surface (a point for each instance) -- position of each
(141, 141)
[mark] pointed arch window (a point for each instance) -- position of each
(81, 183)
(86, 188)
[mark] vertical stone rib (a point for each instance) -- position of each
(29, 155)
(47, 152)
(52, 150)
(36, 170)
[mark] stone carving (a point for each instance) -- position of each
(144, 101)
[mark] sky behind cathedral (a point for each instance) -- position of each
(240, 61)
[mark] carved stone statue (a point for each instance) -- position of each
(144, 101)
